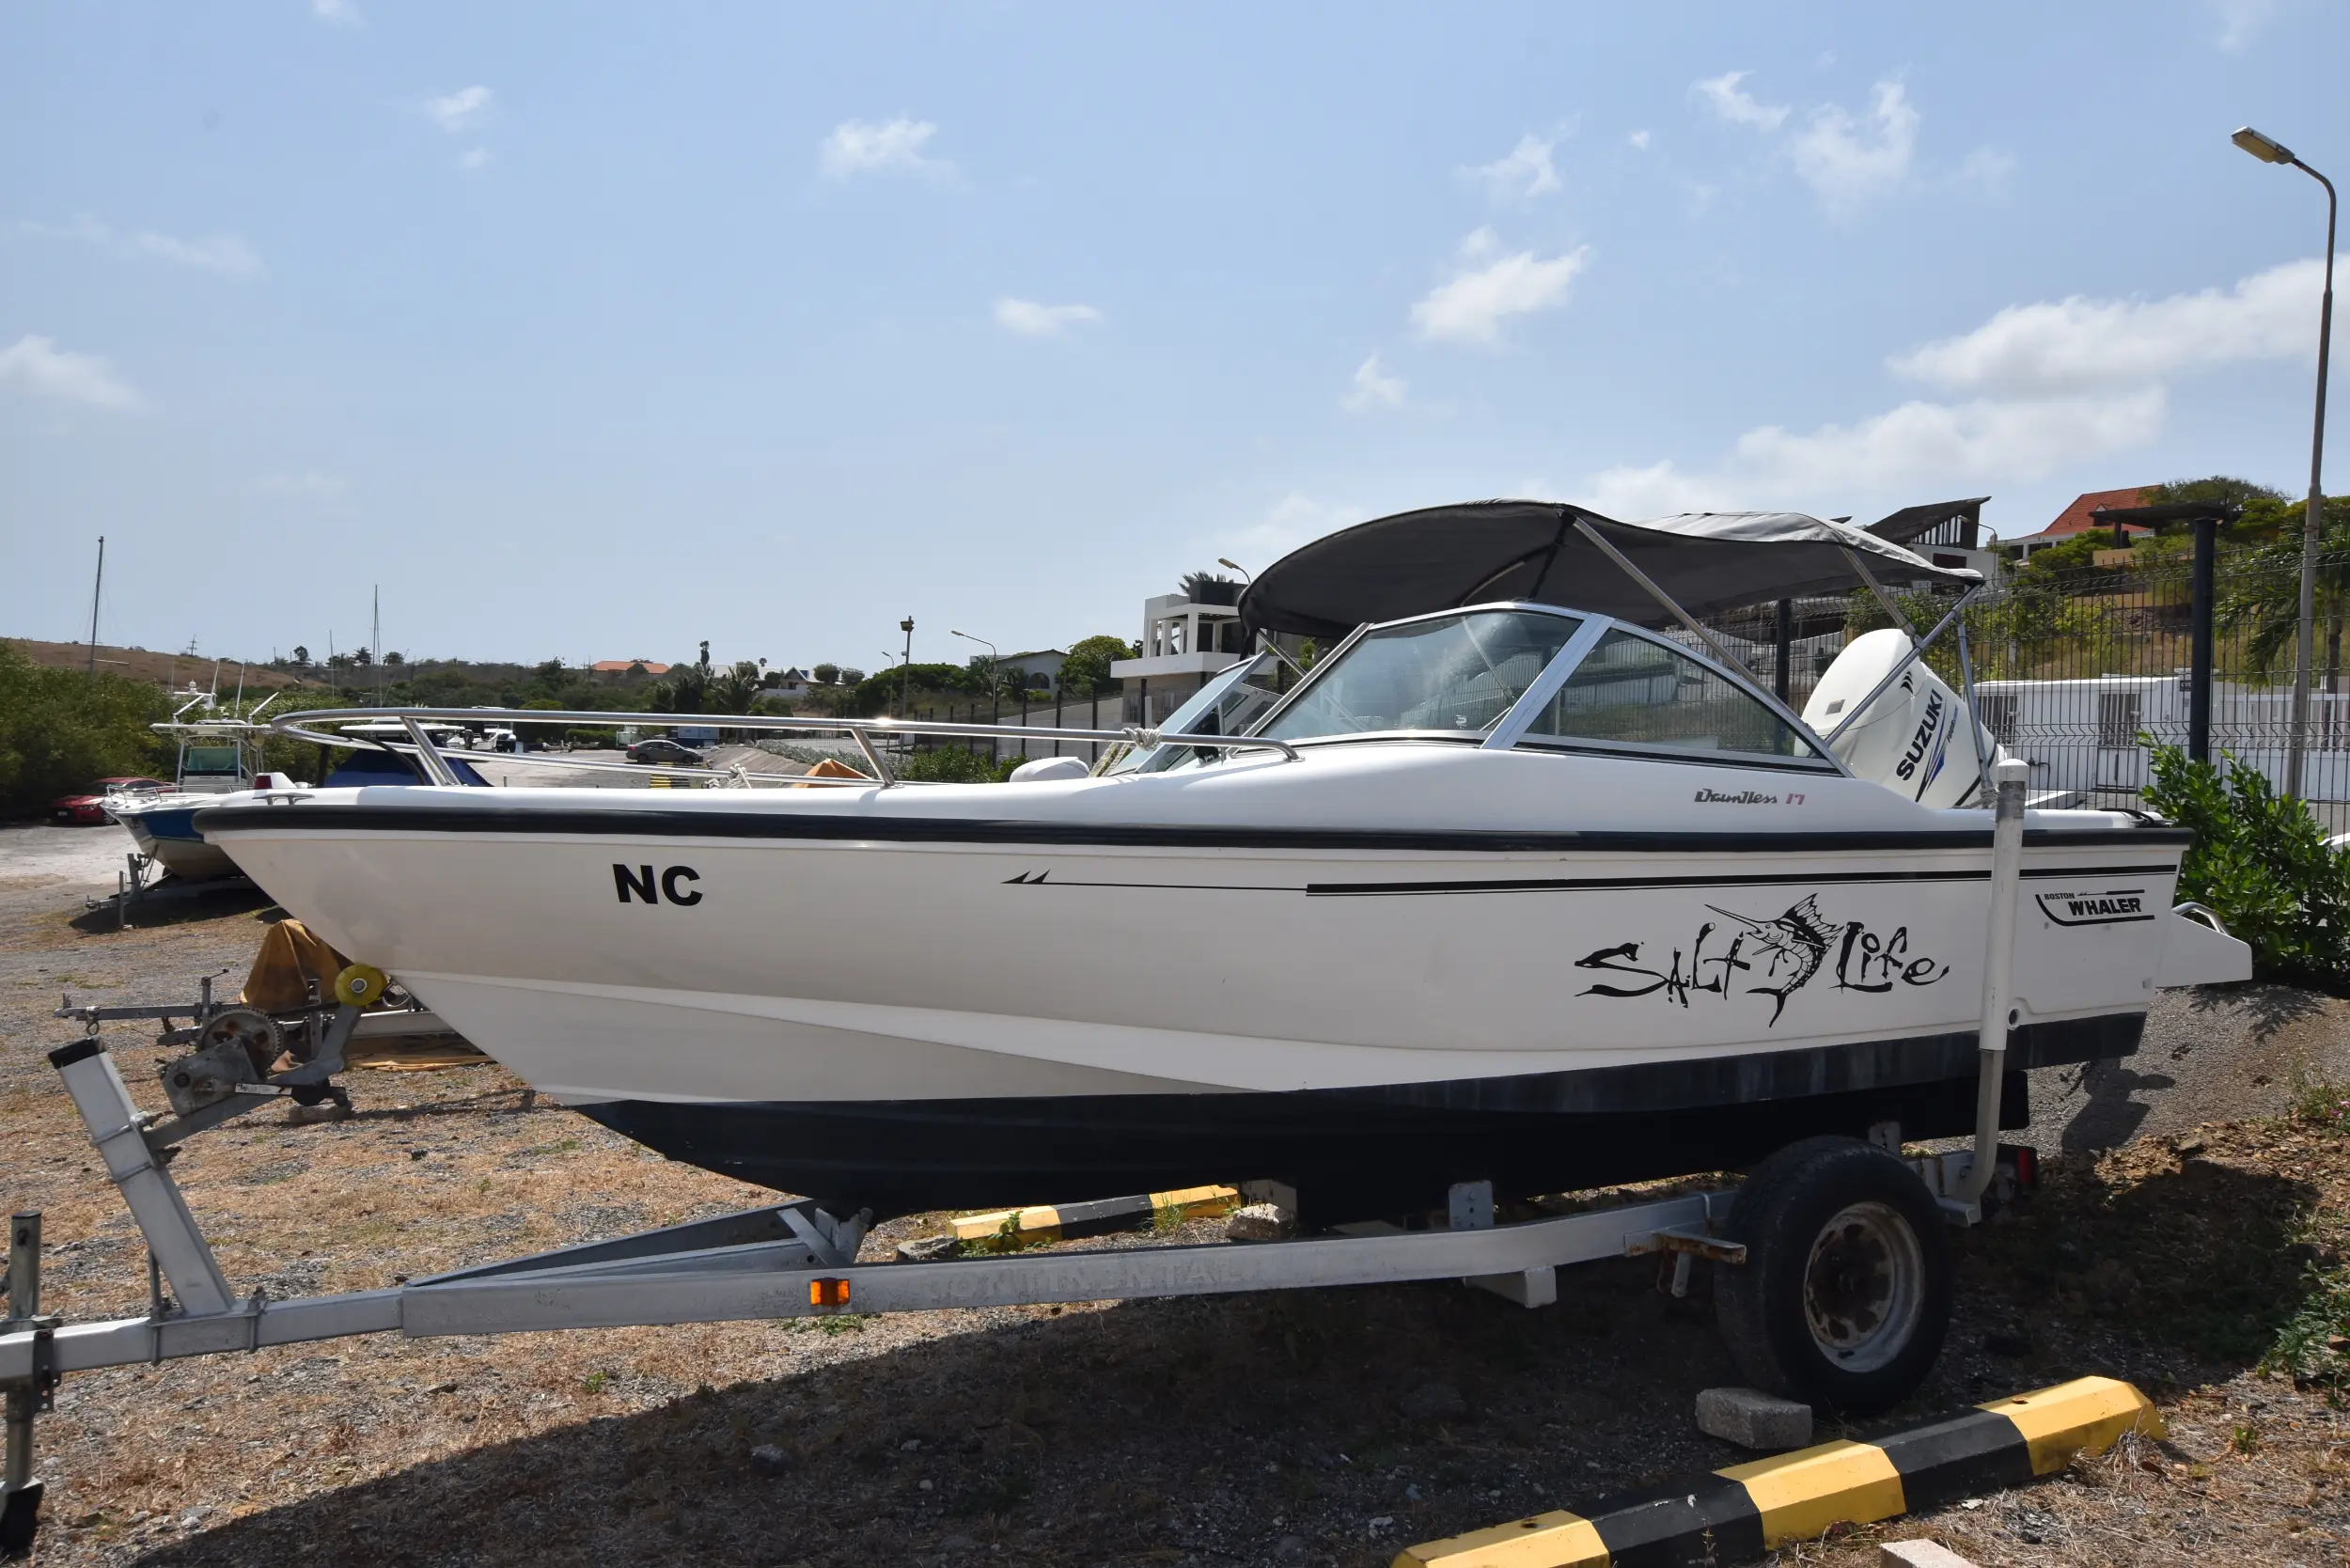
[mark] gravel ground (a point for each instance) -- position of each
(1329, 1427)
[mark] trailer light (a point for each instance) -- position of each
(828, 1293)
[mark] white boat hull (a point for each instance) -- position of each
(1096, 981)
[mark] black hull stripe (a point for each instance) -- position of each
(1736, 1514)
(1556, 885)
(663, 823)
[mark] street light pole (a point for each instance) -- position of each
(2268, 150)
(995, 690)
(905, 688)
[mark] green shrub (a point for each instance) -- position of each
(2261, 863)
(61, 728)
(953, 765)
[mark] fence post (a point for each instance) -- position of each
(1785, 644)
(2198, 655)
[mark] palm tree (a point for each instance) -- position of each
(2265, 601)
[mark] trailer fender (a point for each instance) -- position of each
(2198, 950)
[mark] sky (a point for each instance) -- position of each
(594, 330)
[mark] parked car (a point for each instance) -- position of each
(661, 749)
(90, 810)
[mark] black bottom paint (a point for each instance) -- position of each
(1353, 1153)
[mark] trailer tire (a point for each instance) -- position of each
(1845, 1295)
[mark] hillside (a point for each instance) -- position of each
(165, 669)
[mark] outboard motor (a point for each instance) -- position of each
(1910, 739)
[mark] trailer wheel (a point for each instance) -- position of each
(1845, 1294)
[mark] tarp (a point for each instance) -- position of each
(1439, 558)
(291, 955)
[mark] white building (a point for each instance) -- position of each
(1184, 640)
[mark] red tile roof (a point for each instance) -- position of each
(2075, 518)
(622, 666)
(2072, 518)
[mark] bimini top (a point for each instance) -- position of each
(1439, 558)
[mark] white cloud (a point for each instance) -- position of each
(217, 252)
(2079, 342)
(1915, 446)
(1637, 141)
(2240, 20)
(83, 227)
(1733, 104)
(892, 147)
(473, 158)
(39, 366)
(1491, 288)
(1294, 519)
(342, 13)
(1846, 160)
(1522, 174)
(309, 485)
(462, 110)
(1989, 169)
(2046, 387)
(1032, 319)
(1373, 388)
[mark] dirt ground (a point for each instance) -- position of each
(1325, 1428)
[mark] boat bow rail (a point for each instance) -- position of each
(863, 732)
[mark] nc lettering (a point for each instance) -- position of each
(643, 883)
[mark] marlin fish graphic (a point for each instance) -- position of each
(1794, 945)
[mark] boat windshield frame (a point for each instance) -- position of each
(1510, 728)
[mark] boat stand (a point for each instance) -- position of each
(787, 1260)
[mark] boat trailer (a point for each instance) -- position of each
(788, 1260)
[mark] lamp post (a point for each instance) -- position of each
(995, 689)
(2269, 151)
(905, 688)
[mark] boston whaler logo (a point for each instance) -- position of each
(2113, 907)
(1774, 957)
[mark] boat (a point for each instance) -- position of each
(1529, 881)
(219, 755)
(220, 764)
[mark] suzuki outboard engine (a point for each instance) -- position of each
(1912, 740)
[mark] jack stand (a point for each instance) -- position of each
(29, 1397)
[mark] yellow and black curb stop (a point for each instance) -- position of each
(1741, 1512)
(1013, 1228)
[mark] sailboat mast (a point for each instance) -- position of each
(94, 586)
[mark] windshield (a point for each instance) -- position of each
(1452, 675)
(1636, 692)
(1231, 700)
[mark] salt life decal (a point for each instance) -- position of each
(2112, 907)
(1742, 956)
